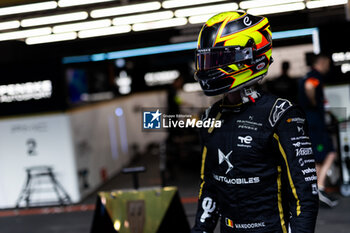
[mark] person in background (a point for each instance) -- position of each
(311, 99)
(174, 140)
(284, 86)
(173, 99)
(174, 103)
(258, 172)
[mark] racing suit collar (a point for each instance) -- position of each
(247, 95)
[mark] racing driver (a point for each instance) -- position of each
(258, 170)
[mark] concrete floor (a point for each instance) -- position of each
(185, 177)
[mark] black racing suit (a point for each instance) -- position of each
(258, 170)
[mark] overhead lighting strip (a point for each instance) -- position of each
(54, 19)
(206, 9)
(122, 10)
(51, 38)
(98, 57)
(181, 3)
(76, 59)
(104, 31)
(294, 33)
(324, 3)
(25, 33)
(263, 3)
(10, 25)
(142, 18)
(131, 53)
(41, 6)
(173, 48)
(200, 18)
(68, 3)
(151, 50)
(159, 24)
(82, 26)
(139, 22)
(277, 9)
(82, 34)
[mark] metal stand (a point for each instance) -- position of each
(135, 172)
(38, 172)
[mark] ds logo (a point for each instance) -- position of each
(151, 120)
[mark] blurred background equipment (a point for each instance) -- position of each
(134, 171)
(33, 186)
(75, 76)
(153, 210)
(345, 158)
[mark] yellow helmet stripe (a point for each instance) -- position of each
(223, 25)
(246, 31)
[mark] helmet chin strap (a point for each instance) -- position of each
(242, 96)
(249, 94)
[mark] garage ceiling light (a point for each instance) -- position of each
(276, 9)
(9, 25)
(262, 3)
(66, 3)
(143, 18)
(122, 10)
(294, 33)
(200, 18)
(82, 26)
(51, 38)
(324, 3)
(54, 19)
(180, 3)
(104, 31)
(28, 8)
(159, 24)
(177, 47)
(24, 33)
(206, 9)
(151, 50)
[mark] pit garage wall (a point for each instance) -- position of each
(104, 136)
(295, 55)
(85, 146)
(53, 146)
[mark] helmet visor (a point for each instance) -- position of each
(220, 56)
